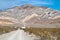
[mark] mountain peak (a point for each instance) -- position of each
(30, 12)
(29, 6)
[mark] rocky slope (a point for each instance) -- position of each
(28, 14)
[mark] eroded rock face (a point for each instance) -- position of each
(8, 21)
(31, 14)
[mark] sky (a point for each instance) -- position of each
(54, 4)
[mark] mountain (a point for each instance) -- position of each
(29, 14)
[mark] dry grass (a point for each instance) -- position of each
(44, 31)
(7, 29)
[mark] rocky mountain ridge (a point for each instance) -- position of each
(21, 13)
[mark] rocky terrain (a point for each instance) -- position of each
(28, 14)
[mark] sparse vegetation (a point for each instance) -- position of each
(42, 32)
(47, 32)
(6, 29)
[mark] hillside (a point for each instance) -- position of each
(20, 13)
